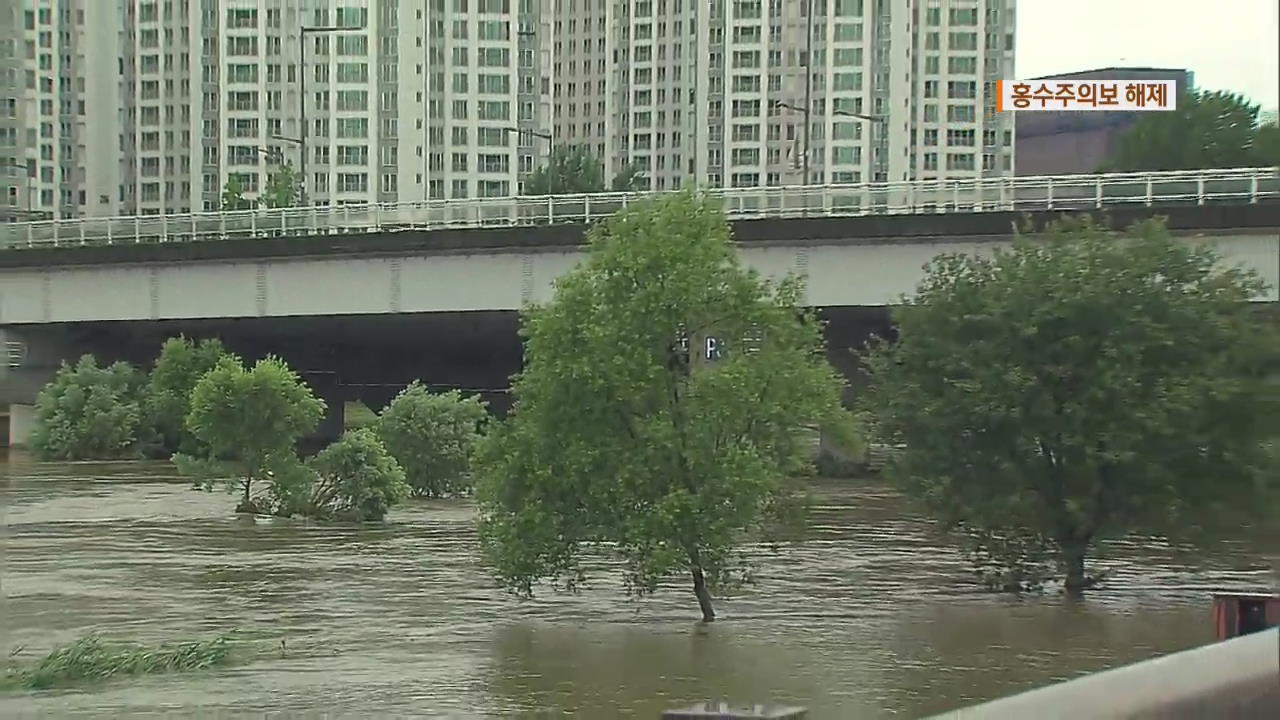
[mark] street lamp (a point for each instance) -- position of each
(807, 112)
(541, 136)
(304, 31)
(291, 141)
(271, 154)
(534, 133)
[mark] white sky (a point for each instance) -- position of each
(1228, 44)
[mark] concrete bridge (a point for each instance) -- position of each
(367, 299)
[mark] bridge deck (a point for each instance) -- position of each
(1009, 194)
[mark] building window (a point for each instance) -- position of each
(353, 182)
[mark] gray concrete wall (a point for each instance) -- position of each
(839, 274)
(1239, 678)
(21, 423)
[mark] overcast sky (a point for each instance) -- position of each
(1228, 44)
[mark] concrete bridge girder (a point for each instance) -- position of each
(383, 310)
(838, 275)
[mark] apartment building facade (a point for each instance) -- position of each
(394, 100)
(402, 99)
(58, 143)
(15, 190)
(153, 106)
(717, 92)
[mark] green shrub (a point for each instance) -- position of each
(89, 412)
(432, 436)
(250, 420)
(178, 369)
(355, 478)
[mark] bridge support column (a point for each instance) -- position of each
(28, 361)
(22, 420)
(326, 387)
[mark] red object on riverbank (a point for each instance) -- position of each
(1237, 613)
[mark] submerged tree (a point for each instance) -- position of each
(251, 419)
(627, 438)
(89, 412)
(181, 364)
(1076, 387)
(432, 436)
(354, 478)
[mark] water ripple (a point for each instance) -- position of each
(872, 615)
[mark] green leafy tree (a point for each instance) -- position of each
(432, 436)
(283, 190)
(1074, 388)
(1266, 146)
(355, 478)
(629, 178)
(233, 195)
(180, 365)
(1208, 130)
(625, 439)
(570, 170)
(89, 412)
(251, 419)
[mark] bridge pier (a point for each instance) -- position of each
(325, 386)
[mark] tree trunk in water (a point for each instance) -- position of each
(244, 506)
(704, 597)
(1073, 557)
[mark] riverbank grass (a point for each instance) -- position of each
(90, 660)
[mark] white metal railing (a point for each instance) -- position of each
(1061, 192)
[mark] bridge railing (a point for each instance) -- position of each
(1064, 192)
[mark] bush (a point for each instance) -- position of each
(89, 412)
(432, 436)
(250, 420)
(178, 369)
(355, 478)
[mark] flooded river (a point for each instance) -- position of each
(869, 617)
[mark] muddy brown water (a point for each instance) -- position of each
(869, 616)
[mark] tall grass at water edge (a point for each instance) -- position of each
(90, 659)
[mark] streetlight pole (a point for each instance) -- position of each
(304, 31)
(541, 136)
(807, 111)
(808, 84)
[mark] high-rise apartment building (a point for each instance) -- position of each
(480, 104)
(154, 106)
(402, 99)
(59, 145)
(15, 190)
(717, 92)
